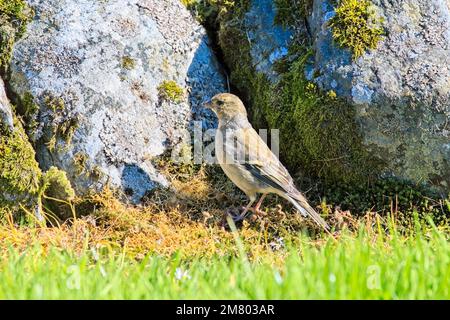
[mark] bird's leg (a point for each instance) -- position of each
(254, 210)
(258, 205)
(244, 212)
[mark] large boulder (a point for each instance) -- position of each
(345, 117)
(106, 86)
(400, 90)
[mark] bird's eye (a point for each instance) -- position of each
(220, 102)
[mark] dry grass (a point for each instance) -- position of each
(188, 219)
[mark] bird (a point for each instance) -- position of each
(249, 163)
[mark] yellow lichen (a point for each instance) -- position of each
(128, 63)
(171, 91)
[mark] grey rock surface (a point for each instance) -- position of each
(401, 90)
(269, 42)
(6, 119)
(94, 68)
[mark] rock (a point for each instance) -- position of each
(89, 76)
(267, 47)
(401, 90)
(6, 119)
(392, 112)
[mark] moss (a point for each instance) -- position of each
(14, 16)
(80, 160)
(356, 26)
(128, 63)
(6, 45)
(289, 12)
(67, 129)
(208, 10)
(55, 184)
(97, 173)
(19, 171)
(29, 110)
(171, 91)
(212, 12)
(29, 107)
(56, 195)
(332, 94)
(17, 13)
(56, 104)
(61, 129)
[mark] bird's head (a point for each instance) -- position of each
(226, 106)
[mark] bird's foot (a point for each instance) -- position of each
(234, 213)
(258, 212)
(238, 215)
(244, 213)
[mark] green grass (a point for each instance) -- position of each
(361, 266)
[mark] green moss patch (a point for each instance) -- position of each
(23, 185)
(61, 130)
(320, 130)
(356, 26)
(205, 10)
(289, 12)
(56, 195)
(19, 171)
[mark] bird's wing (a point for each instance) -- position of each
(263, 164)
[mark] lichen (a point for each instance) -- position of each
(170, 91)
(356, 26)
(14, 16)
(128, 63)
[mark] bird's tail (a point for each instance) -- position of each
(307, 211)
